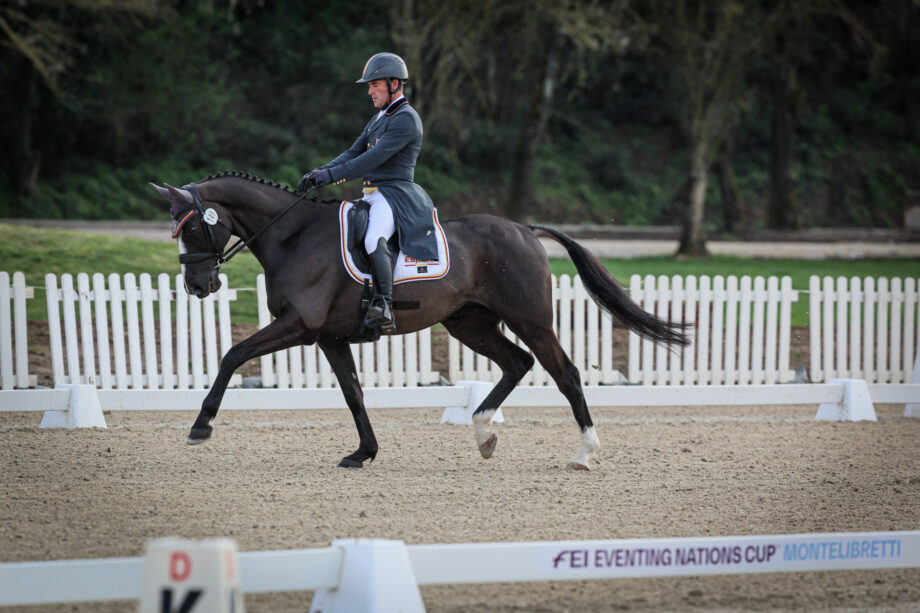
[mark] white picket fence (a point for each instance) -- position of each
(584, 333)
(393, 361)
(108, 343)
(118, 333)
(865, 329)
(14, 344)
(740, 330)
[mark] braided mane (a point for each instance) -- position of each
(239, 174)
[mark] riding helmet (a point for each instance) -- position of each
(384, 66)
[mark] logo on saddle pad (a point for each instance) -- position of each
(407, 268)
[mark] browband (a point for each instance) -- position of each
(177, 225)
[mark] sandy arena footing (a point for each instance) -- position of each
(268, 480)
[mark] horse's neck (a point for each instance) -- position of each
(252, 206)
(248, 202)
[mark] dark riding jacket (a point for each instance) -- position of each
(384, 155)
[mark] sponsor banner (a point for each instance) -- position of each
(727, 555)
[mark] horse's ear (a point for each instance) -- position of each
(161, 190)
(181, 195)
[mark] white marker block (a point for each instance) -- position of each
(191, 576)
(377, 577)
(83, 409)
(855, 406)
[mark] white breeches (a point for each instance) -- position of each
(380, 221)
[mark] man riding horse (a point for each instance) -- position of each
(503, 282)
(384, 155)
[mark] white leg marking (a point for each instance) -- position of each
(589, 444)
(480, 421)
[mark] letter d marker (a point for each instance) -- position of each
(183, 576)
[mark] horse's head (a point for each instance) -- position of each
(201, 234)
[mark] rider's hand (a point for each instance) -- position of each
(316, 177)
(307, 180)
(322, 177)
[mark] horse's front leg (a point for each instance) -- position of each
(285, 331)
(343, 365)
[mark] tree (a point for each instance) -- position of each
(468, 74)
(568, 30)
(708, 49)
(732, 215)
(40, 46)
(809, 29)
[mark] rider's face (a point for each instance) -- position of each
(377, 90)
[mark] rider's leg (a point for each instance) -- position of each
(380, 221)
(380, 228)
(380, 313)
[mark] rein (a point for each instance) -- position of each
(222, 257)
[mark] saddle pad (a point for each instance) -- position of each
(407, 268)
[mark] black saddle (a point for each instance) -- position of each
(358, 218)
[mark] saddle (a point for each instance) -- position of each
(353, 223)
(358, 219)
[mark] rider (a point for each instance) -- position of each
(384, 155)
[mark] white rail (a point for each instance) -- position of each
(120, 578)
(327, 569)
(847, 399)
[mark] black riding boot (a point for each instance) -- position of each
(380, 312)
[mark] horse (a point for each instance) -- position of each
(499, 272)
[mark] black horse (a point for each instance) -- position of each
(499, 273)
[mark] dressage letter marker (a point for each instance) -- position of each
(182, 576)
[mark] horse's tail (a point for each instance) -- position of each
(606, 292)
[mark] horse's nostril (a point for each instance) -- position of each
(214, 280)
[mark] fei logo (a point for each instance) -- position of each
(182, 576)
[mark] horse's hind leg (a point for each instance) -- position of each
(543, 342)
(477, 328)
(285, 331)
(343, 365)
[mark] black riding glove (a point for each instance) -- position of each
(322, 177)
(316, 177)
(307, 180)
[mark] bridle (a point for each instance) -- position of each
(209, 217)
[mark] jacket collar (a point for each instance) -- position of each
(396, 105)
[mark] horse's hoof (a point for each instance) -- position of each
(488, 448)
(576, 466)
(350, 463)
(199, 435)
